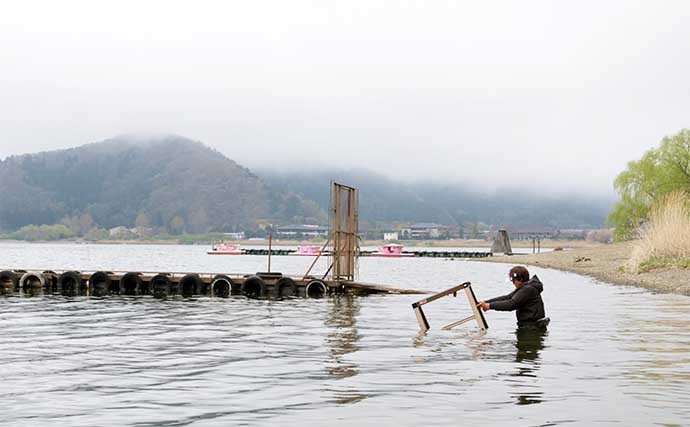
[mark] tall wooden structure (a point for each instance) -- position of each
(345, 231)
(501, 243)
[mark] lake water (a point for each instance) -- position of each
(612, 355)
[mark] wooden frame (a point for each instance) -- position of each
(345, 231)
(471, 298)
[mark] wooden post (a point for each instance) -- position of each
(270, 238)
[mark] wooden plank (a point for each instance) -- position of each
(382, 288)
(442, 294)
(421, 318)
(481, 321)
(459, 322)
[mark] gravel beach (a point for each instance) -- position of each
(604, 262)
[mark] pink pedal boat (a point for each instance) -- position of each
(225, 249)
(308, 250)
(391, 250)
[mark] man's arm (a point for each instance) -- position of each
(485, 305)
(517, 299)
(502, 297)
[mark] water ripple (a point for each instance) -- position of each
(611, 356)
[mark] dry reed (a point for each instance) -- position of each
(664, 240)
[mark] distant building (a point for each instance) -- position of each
(304, 230)
(120, 231)
(425, 230)
(235, 236)
(572, 234)
(532, 233)
(390, 236)
(142, 231)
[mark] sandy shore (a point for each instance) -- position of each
(604, 262)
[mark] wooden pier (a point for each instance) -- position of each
(338, 278)
(171, 284)
(424, 254)
(440, 254)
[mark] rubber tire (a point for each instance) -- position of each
(315, 289)
(195, 283)
(127, 279)
(41, 281)
(253, 287)
(160, 282)
(9, 278)
(217, 289)
(70, 277)
(99, 283)
(285, 287)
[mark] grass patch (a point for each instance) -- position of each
(659, 262)
(664, 240)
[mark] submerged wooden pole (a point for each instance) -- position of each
(270, 238)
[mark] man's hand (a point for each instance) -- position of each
(483, 305)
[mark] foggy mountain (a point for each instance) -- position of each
(167, 182)
(177, 185)
(382, 200)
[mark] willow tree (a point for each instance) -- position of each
(660, 171)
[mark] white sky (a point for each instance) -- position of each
(558, 95)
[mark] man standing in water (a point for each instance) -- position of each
(525, 299)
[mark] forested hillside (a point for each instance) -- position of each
(167, 182)
(383, 200)
(173, 185)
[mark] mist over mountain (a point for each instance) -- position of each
(383, 200)
(176, 185)
(167, 182)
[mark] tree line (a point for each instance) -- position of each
(661, 170)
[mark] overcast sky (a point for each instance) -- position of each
(558, 95)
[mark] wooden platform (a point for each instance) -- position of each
(186, 284)
(423, 254)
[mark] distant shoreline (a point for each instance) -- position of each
(450, 243)
(604, 263)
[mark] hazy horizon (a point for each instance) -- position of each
(558, 97)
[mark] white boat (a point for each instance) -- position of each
(223, 248)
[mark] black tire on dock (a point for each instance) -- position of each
(131, 284)
(9, 282)
(253, 287)
(70, 283)
(32, 282)
(221, 286)
(51, 281)
(99, 284)
(285, 287)
(315, 289)
(190, 285)
(160, 285)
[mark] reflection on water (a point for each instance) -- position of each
(138, 361)
(529, 343)
(342, 340)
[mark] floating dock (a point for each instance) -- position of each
(170, 284)
(425, 254)
(338, 278)
(438, 254)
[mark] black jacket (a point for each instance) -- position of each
(526, 300)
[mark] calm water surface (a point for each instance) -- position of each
(612, 356)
